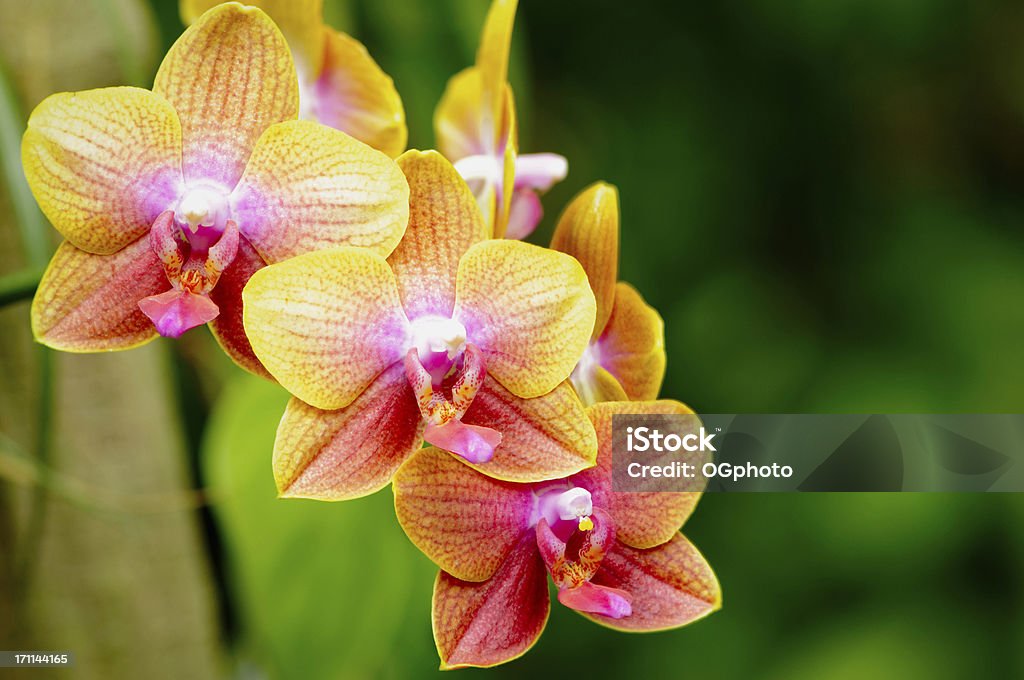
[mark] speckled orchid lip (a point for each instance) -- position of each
(462, 341)
(617, 558)
(170, 199)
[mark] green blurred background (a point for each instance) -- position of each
(823, 199)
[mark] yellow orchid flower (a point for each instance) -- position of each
(455, 339)
(626, 355)
(475, 126)
(170, 199)
(340, 85)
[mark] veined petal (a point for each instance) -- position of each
(465, 522)
(547, 437)
(90, 303)
(308, 187)
(589, 231)
(103, 164)
(671, 585)
(354, 95)
(227, 328)
(350, 452)
(444, 222)
(229, 76)
(492, 60)
(528, 309)
(489, 623)
(642, 519)
(325, 324)
(632, 346)
(300, 21)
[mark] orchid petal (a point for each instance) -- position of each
(103, 164)
(508, 146)
(528, 309)
(299, 20)
(642, 519)
(350, 452)
(308, 187)
(474, 443)
(547, 437)
(353, 94)
(524, 214)
(465, 522)
(229, 77)
(492, 59)
(594, 384)
(444, 222)
(671, 585)
(593, 599)
(457, 117)
(589, 231)
(489, 623)
(227, 328)
(632, 346)
(540, 171)
(325, 324)
(90, 303)
(174, 312)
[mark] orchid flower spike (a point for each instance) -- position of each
(455, 339)
(475, 127)
(340, 85)
(169, 200)
(625, 358)
(616, 558)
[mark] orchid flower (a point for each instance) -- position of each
(340, 85)
(455, 339)
(617, 558)
(170, 199)
(475, 126)
(626, 355)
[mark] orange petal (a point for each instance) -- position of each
(229, 76)
(589, 231)
(464, 522)
(103, 164)
(301, 22)
(671, 585)
(490, 623)
(528, 309)
(90, 303)
(444, 222)
(351, 452)
(632, 346)
(354, 95)
(642, 519)
(547, 437)
(326, 324)
(227, 295)
(308, 187)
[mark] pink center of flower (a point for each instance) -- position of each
(573, 537)
(445, 373)
(195, 242)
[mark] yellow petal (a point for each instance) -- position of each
(633, 344)
(642, 519)
(594, 384)
(308, 187)
(90, 303)
(457, 117)
(444, 222)
(528, 309)
(350, 452)
(589, 231)
(509, 147)
(492, 60)
(325, 324)
(103, 164)
(354, 95)
(229, 76)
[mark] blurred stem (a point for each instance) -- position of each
(131, 69)
(19, 286)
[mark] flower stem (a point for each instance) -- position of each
(18, 286)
